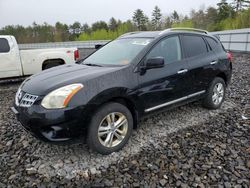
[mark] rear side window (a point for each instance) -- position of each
(194, 45)
(214, 45)
(4, 46)
(168, 48)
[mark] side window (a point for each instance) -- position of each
(4, 46)
(194, 45)
(214, 45)
(168, 48)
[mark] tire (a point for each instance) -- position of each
(211, 101)
(99, 131)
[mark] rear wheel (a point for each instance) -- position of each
(110, 128)
(215, 94)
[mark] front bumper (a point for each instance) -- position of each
(52, 125)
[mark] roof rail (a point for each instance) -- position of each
(130, 33)
(184, 29)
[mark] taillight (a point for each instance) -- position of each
(229, 56)
(76, 54)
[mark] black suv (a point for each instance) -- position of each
(103, 97)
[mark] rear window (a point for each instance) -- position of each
(214, 45)
(4, 46)
(194, 45)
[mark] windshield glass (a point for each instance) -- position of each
(118, 52)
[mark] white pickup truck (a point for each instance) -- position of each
(16, 63)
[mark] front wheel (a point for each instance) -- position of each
(110, 128)
(215, 94)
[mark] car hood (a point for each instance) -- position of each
(48, 80)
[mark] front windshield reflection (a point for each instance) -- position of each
(118, 52)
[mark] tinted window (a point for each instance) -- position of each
(4, 46)
(214, 45)
(194, 45)
(168, 48)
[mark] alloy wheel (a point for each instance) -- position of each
(113, 129)
(218, 93)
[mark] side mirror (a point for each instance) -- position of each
(154, 63)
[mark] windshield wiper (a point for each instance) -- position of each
(92, 64)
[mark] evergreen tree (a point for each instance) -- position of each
(238, 5)
(156, 18)
(86, 28)
(113, 24)
(76, 28)
(175, 17)
(99, 26)
(225, 10)
(140, 20)
(210, 18)
(61, 32)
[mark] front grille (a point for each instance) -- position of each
(25, 99)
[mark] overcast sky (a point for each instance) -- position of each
(25, 12)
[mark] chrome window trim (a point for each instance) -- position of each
(174, 101)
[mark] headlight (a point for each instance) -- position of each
(60, 98)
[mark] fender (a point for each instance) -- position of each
(121, 95)
(116, 93)
(53, 55)
(34, 59)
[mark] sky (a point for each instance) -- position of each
(25, 12)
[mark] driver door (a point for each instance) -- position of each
(164, 86)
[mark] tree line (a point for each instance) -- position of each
(233, 14)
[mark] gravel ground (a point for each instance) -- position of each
(187, 146)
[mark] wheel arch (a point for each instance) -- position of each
(118, 95)
(223, 76)
(130, 105)
(48, 61)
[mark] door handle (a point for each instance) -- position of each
(182, 71)
(213, 62)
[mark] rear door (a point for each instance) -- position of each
(163, 86)
(9, 58)
(201, 62)
(223, 64)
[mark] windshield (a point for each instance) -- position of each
(118, 52)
